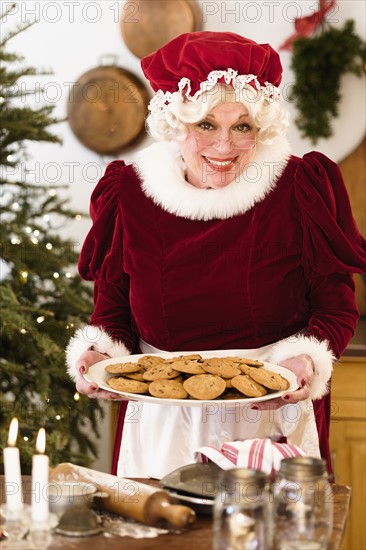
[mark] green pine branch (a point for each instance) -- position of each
(14, 32)
(25, 123)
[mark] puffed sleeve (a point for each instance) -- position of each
(332, 242)
(332, 250)
(101, 261)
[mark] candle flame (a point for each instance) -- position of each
(13, 432)
(41, 441)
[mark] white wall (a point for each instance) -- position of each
(71, 36)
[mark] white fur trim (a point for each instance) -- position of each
(162, 172)
(160, 100)
(320, 353)
(91, 337)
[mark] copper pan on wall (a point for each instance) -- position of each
(107, 108)
(146, 25)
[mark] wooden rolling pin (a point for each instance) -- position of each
(128, 498)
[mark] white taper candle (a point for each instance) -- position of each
(40, 464)
(13, 478)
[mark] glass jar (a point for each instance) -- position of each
(303, 505)
(241, 511)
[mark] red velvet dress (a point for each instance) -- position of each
(252, 279)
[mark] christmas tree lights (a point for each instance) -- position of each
(42, 302)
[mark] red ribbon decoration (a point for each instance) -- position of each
(305, 26)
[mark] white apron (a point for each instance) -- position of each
(157, 439)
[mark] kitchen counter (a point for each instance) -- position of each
(357, 345)
(199, 535)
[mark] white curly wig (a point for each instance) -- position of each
(170, 124)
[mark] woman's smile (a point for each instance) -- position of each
(220, 165)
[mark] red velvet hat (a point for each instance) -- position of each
(194, 62)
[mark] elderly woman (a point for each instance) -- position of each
(217, 238)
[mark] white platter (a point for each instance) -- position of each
(98, 375)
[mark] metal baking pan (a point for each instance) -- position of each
(197, 480)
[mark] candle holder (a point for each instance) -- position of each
(40, 532)
(15, 525)
(22, 533)
(40, 535)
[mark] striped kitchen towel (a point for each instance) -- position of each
(256, 454)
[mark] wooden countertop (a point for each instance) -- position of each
(357, 345)
(199, 535)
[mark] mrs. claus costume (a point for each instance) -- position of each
(263, 265)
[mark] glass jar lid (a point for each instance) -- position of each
(302, 468)
(244, 476)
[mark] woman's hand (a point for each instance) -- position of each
(92, 390)
(303, 367)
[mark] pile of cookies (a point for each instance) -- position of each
(191, 376)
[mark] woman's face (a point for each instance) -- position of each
(217, 148)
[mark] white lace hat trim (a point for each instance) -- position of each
(161, 100)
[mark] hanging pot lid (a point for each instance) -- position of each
(106, 109)
(146, 25)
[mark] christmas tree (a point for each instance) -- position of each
(42, 299)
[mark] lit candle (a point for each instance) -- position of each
(13, 480)
(40, 480)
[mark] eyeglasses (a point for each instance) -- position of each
(243, 142)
